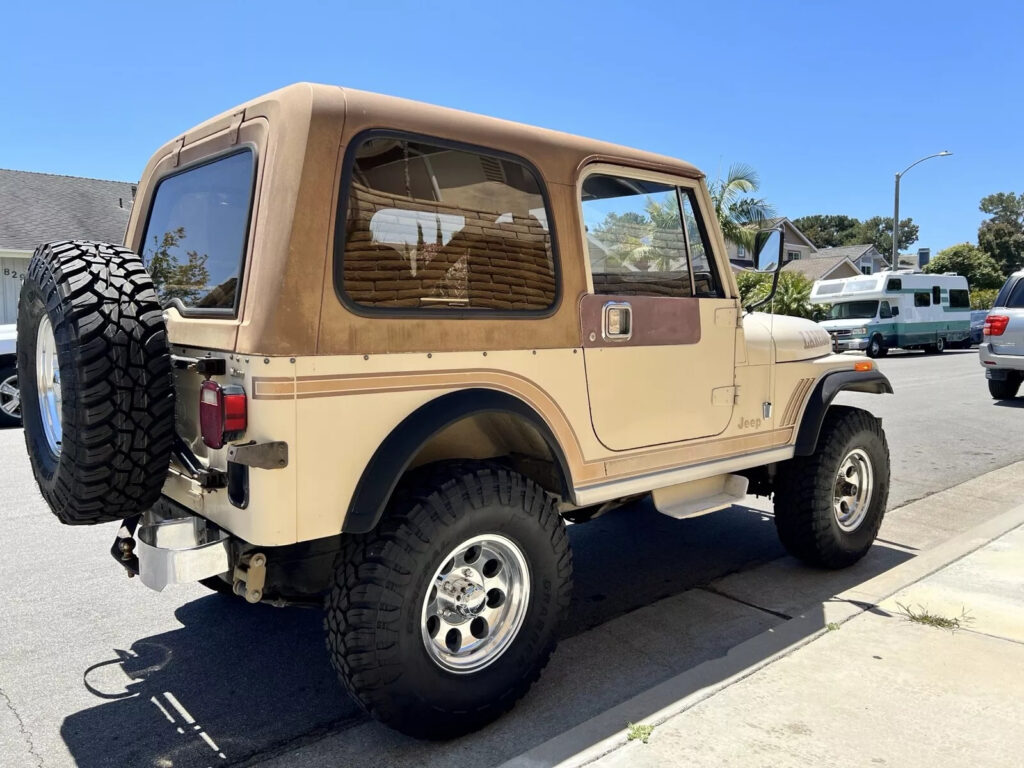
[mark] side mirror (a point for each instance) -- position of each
(766, 242)
(895, 311)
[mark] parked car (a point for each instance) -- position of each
(416, 340)
(1001, 351)
(10, 399)
(978, 325)
(890, 310)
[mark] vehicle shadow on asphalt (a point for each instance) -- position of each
(1017, 402)
(237, 680)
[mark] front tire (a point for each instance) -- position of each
(876, 347)
(829, 506)
(1004, 389)
(441, 618)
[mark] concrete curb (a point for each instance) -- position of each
(606, 732)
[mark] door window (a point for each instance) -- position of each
(645, 239)
(635, 239)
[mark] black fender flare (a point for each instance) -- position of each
(393, 456)
(830, 385)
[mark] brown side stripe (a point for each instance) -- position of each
(795, 401)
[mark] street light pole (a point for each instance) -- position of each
(896, 207)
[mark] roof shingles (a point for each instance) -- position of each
(39, 207)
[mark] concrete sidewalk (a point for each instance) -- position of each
(872, 687)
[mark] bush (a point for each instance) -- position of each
(983, 299)
(792, 297)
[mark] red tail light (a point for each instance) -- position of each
(222, 412)
(995, 325)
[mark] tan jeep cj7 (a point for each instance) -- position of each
(372, 353)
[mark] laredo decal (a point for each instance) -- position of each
(815, 339)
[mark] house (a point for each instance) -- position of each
(39, 207)
(865, 256)
(797, 246)
(822, 267)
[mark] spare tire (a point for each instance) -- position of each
(97, 392)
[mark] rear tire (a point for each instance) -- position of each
(1004, 389)
(937, 348)
(10, 397)
(422, 667)
(829, 506)
(100, 439)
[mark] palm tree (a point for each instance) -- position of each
(736, 213)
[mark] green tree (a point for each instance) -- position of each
(735, 211)
(831, 230)
(968, 260)
(878, 231)
(1002, 235)
(828, 230)
(173, 279)
(1004, 243)
(792, 296)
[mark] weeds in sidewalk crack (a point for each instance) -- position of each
(639, 731)
(923, 616)
(832, 626)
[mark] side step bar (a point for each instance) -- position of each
(698, 497)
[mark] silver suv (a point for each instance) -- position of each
(1002, 348)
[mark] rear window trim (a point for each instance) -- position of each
(341, 218)
(177, 304)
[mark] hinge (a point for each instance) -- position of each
(725, 396)
(176, 152)
(236, 125)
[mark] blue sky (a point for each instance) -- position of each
(826, 100)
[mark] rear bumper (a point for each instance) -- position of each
(991, 361)
(179, 549)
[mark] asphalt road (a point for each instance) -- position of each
(96, 670)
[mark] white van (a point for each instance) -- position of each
(909, 310)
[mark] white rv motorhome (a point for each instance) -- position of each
(909, 310)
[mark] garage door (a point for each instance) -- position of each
(12, 273)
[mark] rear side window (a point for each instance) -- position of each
(959, 299)
(195, 238)
(936, 295)
(1011, 295)
(922, 299)
(436, 227)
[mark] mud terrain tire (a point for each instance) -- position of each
(116, 393)
(376, 608)
(806, 490)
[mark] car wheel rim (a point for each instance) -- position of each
(475, 603)
(853, 486)
(48, 385)
(10, 397)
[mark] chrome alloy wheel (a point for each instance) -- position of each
(10, 397)
(48, 384)
(853, 487)
(475, 603)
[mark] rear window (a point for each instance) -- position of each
(196, 234)
(1011, 295)
(441, 228)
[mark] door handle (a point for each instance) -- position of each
(617, 321)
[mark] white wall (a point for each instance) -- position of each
(12, 271)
